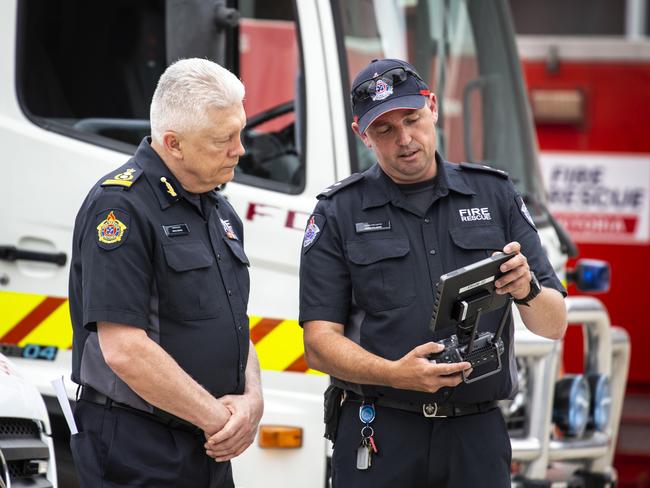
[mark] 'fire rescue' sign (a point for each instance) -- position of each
(599, 198)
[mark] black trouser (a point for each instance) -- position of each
(119, 448)
(418, 452)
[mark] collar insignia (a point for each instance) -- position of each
(227, 228)
(168, 187)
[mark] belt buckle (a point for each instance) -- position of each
(430, 410)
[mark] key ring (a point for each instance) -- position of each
(363, 429)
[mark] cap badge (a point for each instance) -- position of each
(382, 90)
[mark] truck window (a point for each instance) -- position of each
(88, 70)
(269, 66)
(464, 52)
(574, 18)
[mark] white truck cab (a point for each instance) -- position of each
(75, 85)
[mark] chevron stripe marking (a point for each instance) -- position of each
(263, 328)
(299, 365)
(32, 320)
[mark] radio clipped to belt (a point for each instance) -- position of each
(334, 397)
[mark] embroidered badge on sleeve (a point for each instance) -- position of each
(523, 209)
(112, 229)
(314, 228)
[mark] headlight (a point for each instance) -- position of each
(601, 402)
(571, 405)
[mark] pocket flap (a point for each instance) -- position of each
(371, 251)
(187, 256)
(479, 237)
(238, 250)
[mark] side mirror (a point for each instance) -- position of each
(591, 275)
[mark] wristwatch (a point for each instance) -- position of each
(535, 289)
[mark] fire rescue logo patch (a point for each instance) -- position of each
(227, 228)
(112, 231)
(383, 90)
(473, 214)
(315, 225)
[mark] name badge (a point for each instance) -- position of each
(176, 230)
(362, 227)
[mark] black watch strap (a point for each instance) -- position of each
(535, 289)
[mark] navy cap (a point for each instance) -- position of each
(385, 85)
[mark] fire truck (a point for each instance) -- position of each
(77, 80)
(588, 77)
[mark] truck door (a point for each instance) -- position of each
(74, 105)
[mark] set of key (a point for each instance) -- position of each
(367, 447)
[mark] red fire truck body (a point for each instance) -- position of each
(591, 101)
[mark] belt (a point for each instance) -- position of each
(93, 396)
(433, 409)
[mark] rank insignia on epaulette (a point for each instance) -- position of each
(485, 168)
(111, 231)
(339, 185)
(125, 178)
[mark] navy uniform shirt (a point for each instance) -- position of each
(148, 254)
(371, 261)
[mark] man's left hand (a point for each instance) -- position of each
(516, 279)
(239, 432)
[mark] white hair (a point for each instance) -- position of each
(186, 90)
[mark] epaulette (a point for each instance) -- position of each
(485, 168)
(124, 179)
(332, 189)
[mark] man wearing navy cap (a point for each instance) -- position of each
(373, 252)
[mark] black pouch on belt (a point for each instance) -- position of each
(332, 409)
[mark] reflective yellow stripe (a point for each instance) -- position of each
(279, 347)
(55, 330)
(14, 307)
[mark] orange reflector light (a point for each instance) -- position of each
(279, 436)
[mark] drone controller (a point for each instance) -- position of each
(485, 351)
(467, 344)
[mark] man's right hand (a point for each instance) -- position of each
(414, 371)
(219, 416)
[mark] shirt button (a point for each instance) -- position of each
(218, 257)
(229, 293)
(433, 251)
(427, 220)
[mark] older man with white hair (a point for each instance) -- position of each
(158, 296)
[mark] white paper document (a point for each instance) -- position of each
(62, 396)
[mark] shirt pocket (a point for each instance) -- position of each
(192, 284)
(473, 243)
(382, 275)
(240, 264)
